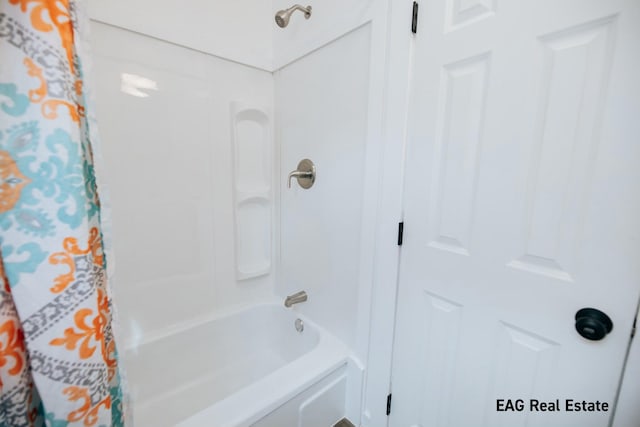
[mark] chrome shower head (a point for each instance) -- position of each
(283, 16)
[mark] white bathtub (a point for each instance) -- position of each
(235, 370)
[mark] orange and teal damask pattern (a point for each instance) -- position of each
(58, 359)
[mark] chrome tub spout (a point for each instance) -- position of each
(296, 298)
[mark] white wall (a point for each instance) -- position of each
(330, 108)
(389, 213)
(242, 31)
(169, 163)
(329, 84)
(238, 30)
(322, 115)
(330, 19)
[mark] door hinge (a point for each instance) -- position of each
(400, 232)
(414, 18)
(389, 404)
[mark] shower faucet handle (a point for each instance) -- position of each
(305, 174)
(298, 175)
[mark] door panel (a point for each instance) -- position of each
(521, 207)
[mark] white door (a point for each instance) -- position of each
(522, 206)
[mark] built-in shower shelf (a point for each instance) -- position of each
(251, 141)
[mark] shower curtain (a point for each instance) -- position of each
(58, 360)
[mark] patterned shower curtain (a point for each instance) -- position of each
(58, 360)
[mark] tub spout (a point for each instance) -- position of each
(296, 298)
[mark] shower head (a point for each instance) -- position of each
(283, 16)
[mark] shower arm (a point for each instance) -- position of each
(306, 10)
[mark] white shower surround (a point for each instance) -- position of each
(212, 281)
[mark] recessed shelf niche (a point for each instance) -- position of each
(251, 141)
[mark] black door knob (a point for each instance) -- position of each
(593, 324)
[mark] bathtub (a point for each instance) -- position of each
(250, 367)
